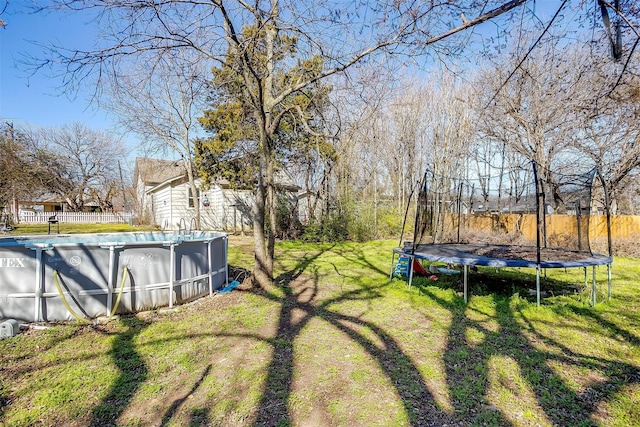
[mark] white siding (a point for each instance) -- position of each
(162, 205)
(211, 215)
(228, 209)
(182, 214)
(237, 207)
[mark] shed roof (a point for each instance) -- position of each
(154, 172)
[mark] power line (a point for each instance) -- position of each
(524, 58)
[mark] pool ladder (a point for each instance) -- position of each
(182, 226)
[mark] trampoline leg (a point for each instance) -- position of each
(538, 286)
(410, 271)
(609, 282)
(593, 287)
(466, 268)
(586, 282)
(393, 258)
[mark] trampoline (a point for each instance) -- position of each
(449, 230)
(500, 256)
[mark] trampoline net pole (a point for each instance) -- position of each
(410, 267)
(593, 287)
(422, 220)
(393, 258)
(466, 269)
(608, 282)
(539, 216)
(538, 286)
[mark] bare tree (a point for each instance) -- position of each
(330, 37)
(22, 174)
(448, 134)
(365, 145)
(408, 123)
(400, 129)
(610, 138)
(535, 113)
(161, 102)
(83, 164)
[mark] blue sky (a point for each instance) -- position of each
(38, 99)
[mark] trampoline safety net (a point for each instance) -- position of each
(526, 206)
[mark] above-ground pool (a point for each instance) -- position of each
(84, 276)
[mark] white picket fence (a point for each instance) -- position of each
(76, 217)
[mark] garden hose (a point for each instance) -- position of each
(65, 302)
(76, 315)
(115, 306)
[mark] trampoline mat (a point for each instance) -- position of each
(504, 255)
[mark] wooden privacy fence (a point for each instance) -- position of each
(622, 226)
(76, 217)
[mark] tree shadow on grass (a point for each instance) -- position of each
(298, 306)
(510, 359)
(198, 418)
(613, 329)
(133, 372)
(469, 367)
(356, 256)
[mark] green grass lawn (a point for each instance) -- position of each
(336, 343)
(72, 228)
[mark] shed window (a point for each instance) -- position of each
(192, 200)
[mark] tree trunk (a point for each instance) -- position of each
(262, 272)
(265, 197)
(195, 192)
(271, 212)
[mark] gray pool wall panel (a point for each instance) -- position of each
(163, 270)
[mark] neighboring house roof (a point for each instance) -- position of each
(52, 199)
(42, 199)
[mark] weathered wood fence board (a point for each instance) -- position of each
(622, 226)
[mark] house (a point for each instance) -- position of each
(165, 198)
(24, 209)
(45, 203)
